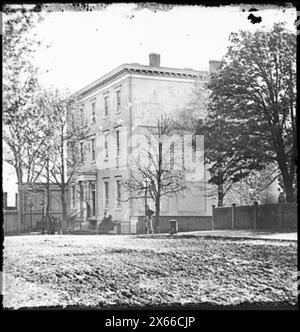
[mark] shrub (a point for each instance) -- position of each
(107, 225)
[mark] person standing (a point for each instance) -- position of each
(149, 227)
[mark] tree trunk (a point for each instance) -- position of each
(157, 212)
(220, 195)
(288, 180)
(20, 200)
(157, 200)
(289, 191)
(64, 210)
(20, 209)
(63, 183)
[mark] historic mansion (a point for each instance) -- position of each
(120, 103)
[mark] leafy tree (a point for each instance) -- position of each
(59, 159)
(252, 108)
(21, 123)
(155, 169)
(255, 187)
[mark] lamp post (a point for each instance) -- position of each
(30, 207)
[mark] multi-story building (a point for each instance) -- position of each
(118, 105)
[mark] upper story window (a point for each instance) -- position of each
(118, 142)
(172, 150)
(81, 117)
(106, 145)
(183, 151)
(106, 105)
(118, 95)
(93, 105)
(93, 150)
(81, 152)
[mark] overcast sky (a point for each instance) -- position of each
(86, 45)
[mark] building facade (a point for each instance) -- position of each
(118, 106)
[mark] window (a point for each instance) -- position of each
(106, 146)
(182, 145)
(81, 152)
(81, 116)
(93, 149)
(118, 95)
(118, 142)
(93, 112)
(118, 193)
(106, 194)
(93, 190)
(106, 105)
(172, 148)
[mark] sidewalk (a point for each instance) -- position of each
(245, 234)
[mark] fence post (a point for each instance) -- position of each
(255, 215)
(212, 218)
(280, 216)
(233, 216)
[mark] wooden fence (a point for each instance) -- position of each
(281, 216)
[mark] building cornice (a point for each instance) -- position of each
(142, 70)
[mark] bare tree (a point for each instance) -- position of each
(155, 168)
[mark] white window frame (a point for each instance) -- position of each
(106, 145)
(93, 111)
(106, 193)
(118, 106)
(81, 151)
(106, 105)
(93, 150)
(118, 147)
(118, 202)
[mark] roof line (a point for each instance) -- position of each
(135, 67)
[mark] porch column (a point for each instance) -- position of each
(85, 199)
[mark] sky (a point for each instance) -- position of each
(83, 46)
(86, 45)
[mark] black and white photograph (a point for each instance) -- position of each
(149, 158)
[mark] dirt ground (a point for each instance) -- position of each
(120, 271)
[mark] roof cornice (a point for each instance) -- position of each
(142, 70)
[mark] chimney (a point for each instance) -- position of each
(154, 59)
(214, 65)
